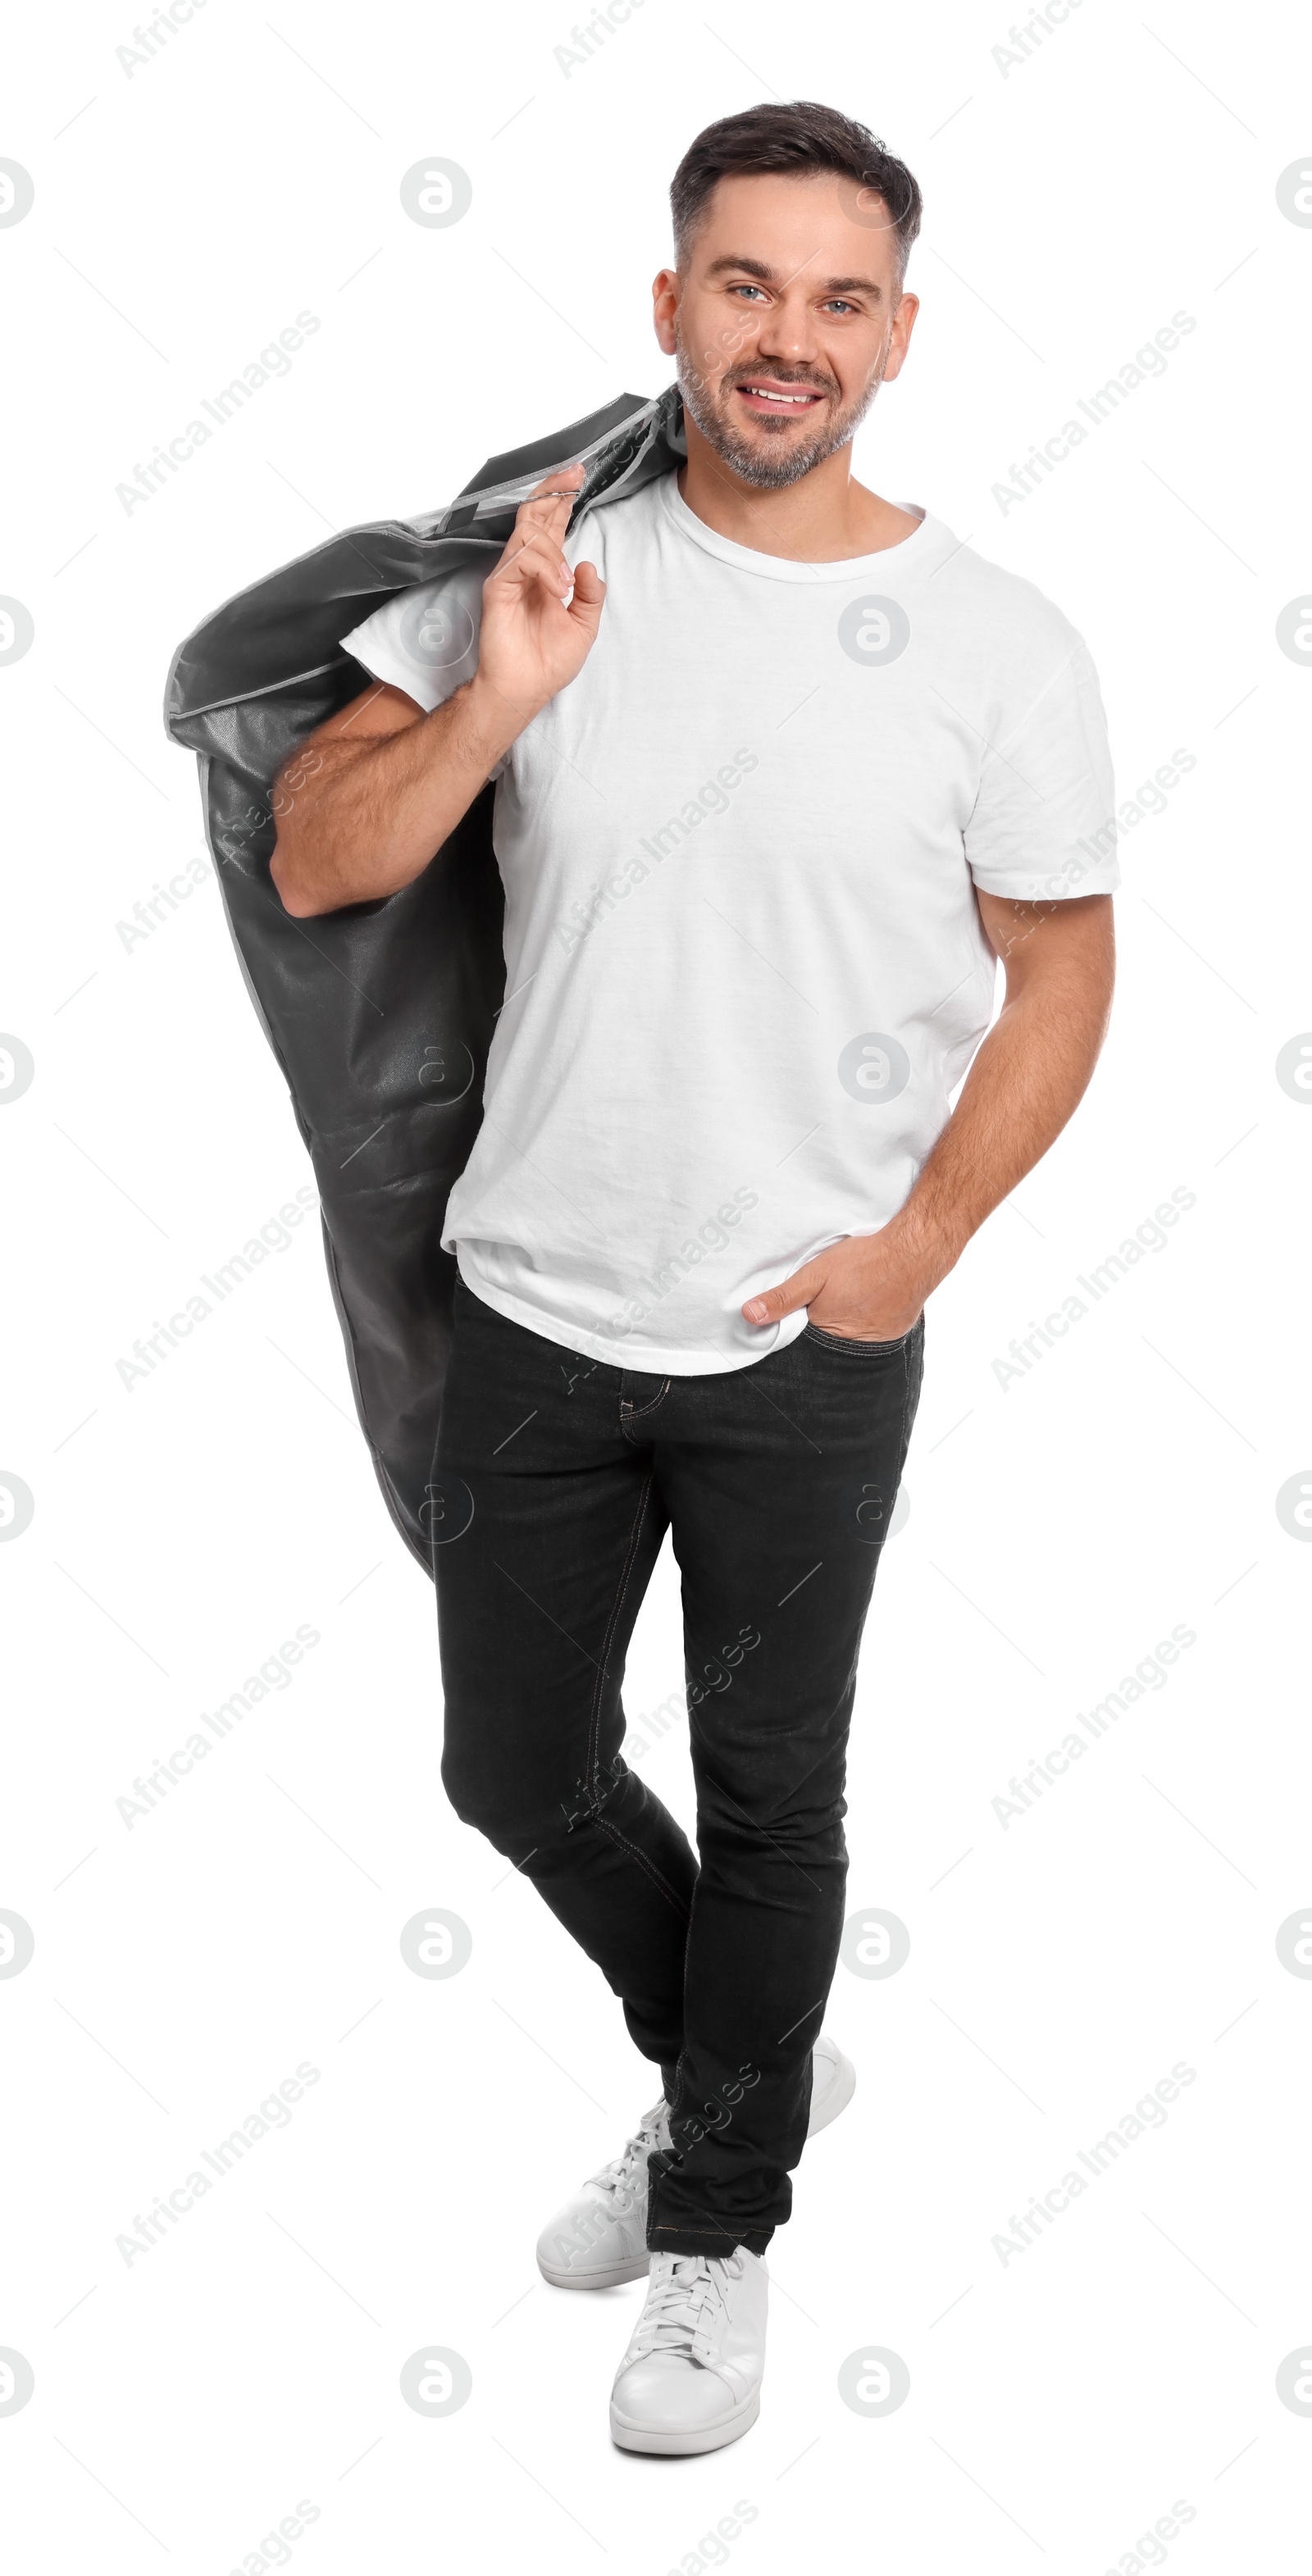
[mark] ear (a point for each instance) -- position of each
(903, 325)
(665, 306)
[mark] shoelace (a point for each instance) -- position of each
(684, 2306)
(620, 2176)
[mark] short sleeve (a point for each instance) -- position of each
(1044, 824)
(425, 641)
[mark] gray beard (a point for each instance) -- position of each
(757, 466)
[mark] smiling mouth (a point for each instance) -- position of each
(775, 400)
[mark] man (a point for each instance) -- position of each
(782, 770)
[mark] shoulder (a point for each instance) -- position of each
(1015, 608)
(628, 524)
(425, 640)
(443, 609)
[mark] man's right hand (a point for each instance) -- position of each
(363, 803)
(532, 643)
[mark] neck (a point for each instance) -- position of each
(823, 517)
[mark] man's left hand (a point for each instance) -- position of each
(1025, 1081)
(869, 1288)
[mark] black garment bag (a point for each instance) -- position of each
(380, 1015)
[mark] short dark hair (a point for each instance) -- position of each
(800, 137)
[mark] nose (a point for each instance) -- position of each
(787, 331)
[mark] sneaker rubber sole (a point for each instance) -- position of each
(609, 2279)
(837, 2098)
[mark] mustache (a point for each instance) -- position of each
(780, 376)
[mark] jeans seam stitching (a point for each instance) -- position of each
(593, 1762)
(604, 1825)
(851, 1342)
(721, 2235)
(906, 1399)
(676, 2227)
(629, 1412)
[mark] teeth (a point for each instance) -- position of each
(763, 395)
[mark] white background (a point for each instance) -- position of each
(1060, 2403)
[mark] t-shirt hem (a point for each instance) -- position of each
(1034, 887)
(614, 1349)
(390, 673)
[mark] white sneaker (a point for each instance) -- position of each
(833, 2083)
(600, 2237)
(691, 2378)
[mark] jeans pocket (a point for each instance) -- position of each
(858, 1349)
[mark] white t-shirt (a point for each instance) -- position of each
(744, 962)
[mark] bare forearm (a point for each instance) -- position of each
(361, 819)
(1022, 1087)
(1029, 1076)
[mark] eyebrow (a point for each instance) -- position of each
(770, 277)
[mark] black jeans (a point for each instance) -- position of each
(557, 1477)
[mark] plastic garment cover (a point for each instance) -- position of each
(380, 1015)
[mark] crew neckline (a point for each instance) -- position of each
(909, 552)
